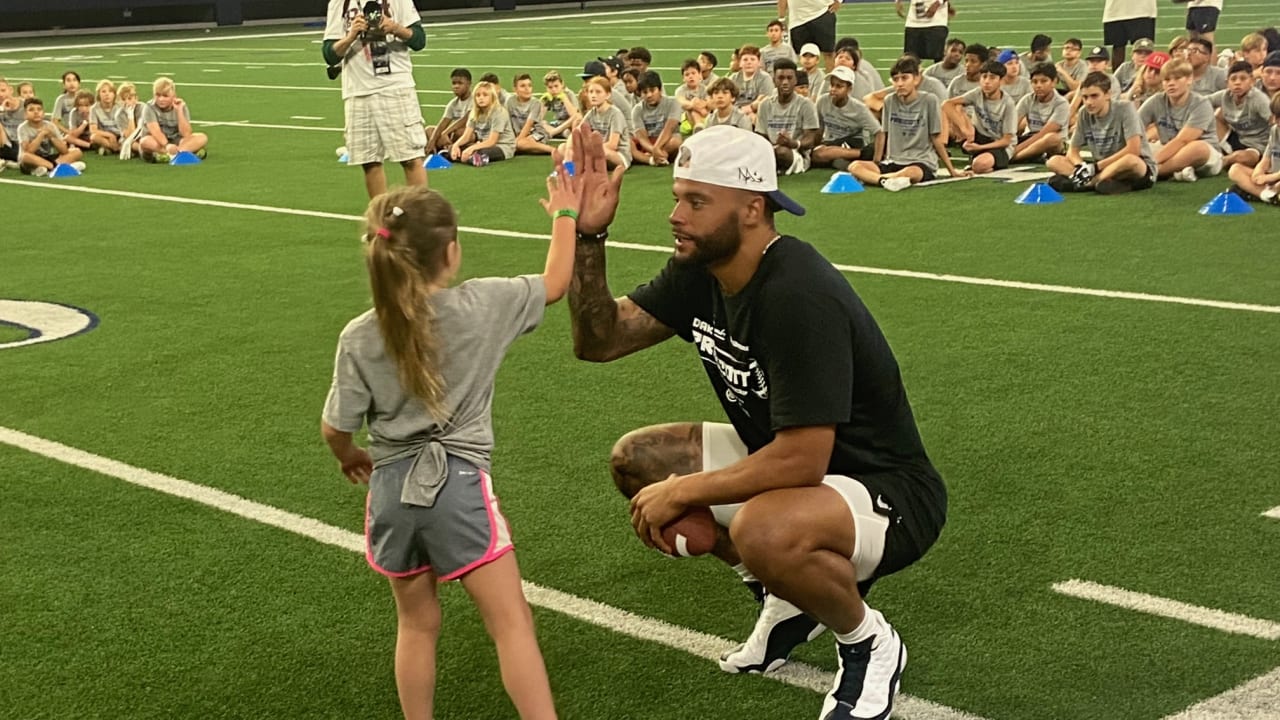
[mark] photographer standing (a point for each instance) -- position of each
(369, 44)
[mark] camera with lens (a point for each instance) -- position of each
(374, 39)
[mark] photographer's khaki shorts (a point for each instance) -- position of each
(385, 126)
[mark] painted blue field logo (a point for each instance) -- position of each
(43, 322)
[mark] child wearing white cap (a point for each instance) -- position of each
(809, 55)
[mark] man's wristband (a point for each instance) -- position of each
(593, 237)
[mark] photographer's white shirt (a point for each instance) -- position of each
(358, 77)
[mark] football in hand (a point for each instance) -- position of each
(691, 534)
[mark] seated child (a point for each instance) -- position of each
(753, 84)
(1244, 116)
(1116, 139)
(777, 49)
(809, 56)
(1043, 117)
(561, 110)
(168, 123)
(607, 120)
(1262, 180)
(707, 65)
(1148, 81)
(129, 116)
(789, 120)
(724, 107)
(11, 116)
(526, 113)
(104, 127)
(912, 144)
(454, 120)
(42, 147)
(988, 138)
(1127, 73)
(78, 120)
(692, 97)
(1071, 69)
(1014, 84)
(488, 136)
(1183, 126)
(63, 104)
(655, 119)
(848, 127)
(950, 66)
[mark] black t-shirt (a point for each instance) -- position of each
(797, 347)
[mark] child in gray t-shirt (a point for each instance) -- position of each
(419, 371)
(488, 136)
(1117, 141)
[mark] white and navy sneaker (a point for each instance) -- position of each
(781, 628)
(869, 676)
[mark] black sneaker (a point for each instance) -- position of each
(1245, 194)
(1112, 187)
(869, 677)
(1062, 183)
(781, 628)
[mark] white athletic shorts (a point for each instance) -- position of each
(722, 447)
(385, 126)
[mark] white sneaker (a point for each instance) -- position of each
(40, 172)
(894, 184)
(79, 166)
(869, 677)
(781, 628)
(340, 151)
(1269, 194)
(1186, 174)
(1212, 166)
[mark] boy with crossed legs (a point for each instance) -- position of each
(1122, 159)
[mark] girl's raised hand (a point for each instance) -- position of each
(564, 191)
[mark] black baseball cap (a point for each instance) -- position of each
(1098, 53)
(1272, 60)
(612, 61)
(1041, 42)
(592, 69)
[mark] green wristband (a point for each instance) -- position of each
(567, 212)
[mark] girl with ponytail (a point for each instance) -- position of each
(418, 369)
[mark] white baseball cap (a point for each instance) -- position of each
(731, 157)
(840, 72)
(810, 49)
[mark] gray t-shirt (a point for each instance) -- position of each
(27, 132)
(457, 108)
(736, 118)
(760, 85)
(62, 105)
(498, 120)
(1125, 75)
(557, 107)
(961, 85)
(1272, 150)
(993, 118)
(868, 71)
(610, 121)
(168, 119)
(1250, 119)
(76, 118)
(105, 118)
(653, 118)
(130, 117)
(1107, 135)
(474, 324)
(817, 79)
(934, 87)
(1039, 114)
(1195, 112)
(1017, 90)
(11, 119)
(942, 74)
(520, 112)
(1213, 80)
(793, 118)
(769, 54)
(851, 119)
(909, 129)
(685, 93)
(1077, 71)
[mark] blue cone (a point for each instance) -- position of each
(1039, 194)
(1226, 203)
(343, 158)
(841, 183)
(185, 158)
(63, 171)
(438, 162)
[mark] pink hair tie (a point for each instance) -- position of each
(383, 233)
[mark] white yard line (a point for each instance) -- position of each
(701, 645)
(859, 269)
(1257, 699)
(1227, 622)
(1273, 513)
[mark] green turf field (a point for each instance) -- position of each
(1125, 438)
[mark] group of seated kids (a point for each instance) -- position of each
(1160, 115)
(109, 120)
